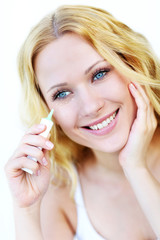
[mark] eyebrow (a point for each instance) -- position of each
(89, 69)
(57, 85)
(86, 72)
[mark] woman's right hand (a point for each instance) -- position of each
(28, 188)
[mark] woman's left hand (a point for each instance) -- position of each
(134, 152)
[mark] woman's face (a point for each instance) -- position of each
(91, 99)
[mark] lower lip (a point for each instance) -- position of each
(106, 129)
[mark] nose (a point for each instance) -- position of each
(90, 103)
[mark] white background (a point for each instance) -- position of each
(17, 17)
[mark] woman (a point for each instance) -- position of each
(103, 82)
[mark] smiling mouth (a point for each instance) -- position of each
(104, 123)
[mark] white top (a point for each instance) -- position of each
(85, 230)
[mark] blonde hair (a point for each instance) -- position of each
(125, 49)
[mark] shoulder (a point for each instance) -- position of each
(58, 213)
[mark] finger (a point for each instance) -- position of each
(35, 153)
(46, 160)
(152, 118)
(36, 129)
(151, 114)
(145, 109)
(143, 93)
(147, 101)
(141, 104)
(37, 141)
(16, 165)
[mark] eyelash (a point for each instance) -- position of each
(96, 72)
(55, 95)
(100, 70)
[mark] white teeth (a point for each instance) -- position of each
(94, 127)
(108, 120)
(104, 123)
(111, 118)
(100, 126)
(114, 114)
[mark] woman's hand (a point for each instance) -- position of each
(133, 158)
(134, 152)
(28, 188)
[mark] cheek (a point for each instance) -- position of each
(120, 94)
(114, 88)
(65, 116)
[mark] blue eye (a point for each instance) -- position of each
(61, 94)
(100, 74)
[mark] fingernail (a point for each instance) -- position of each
(49, 144)
(132, 86)
(44, 162)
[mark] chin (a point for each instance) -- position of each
(111, 145)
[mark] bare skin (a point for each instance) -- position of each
(120, 183)
(108, 198)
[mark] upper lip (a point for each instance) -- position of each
(100, 120)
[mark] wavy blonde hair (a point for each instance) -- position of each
(128, 51)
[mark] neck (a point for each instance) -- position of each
(103, 163)
(108, 162)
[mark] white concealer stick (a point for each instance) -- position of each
(48, 122)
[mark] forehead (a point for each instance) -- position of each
(70, 50)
